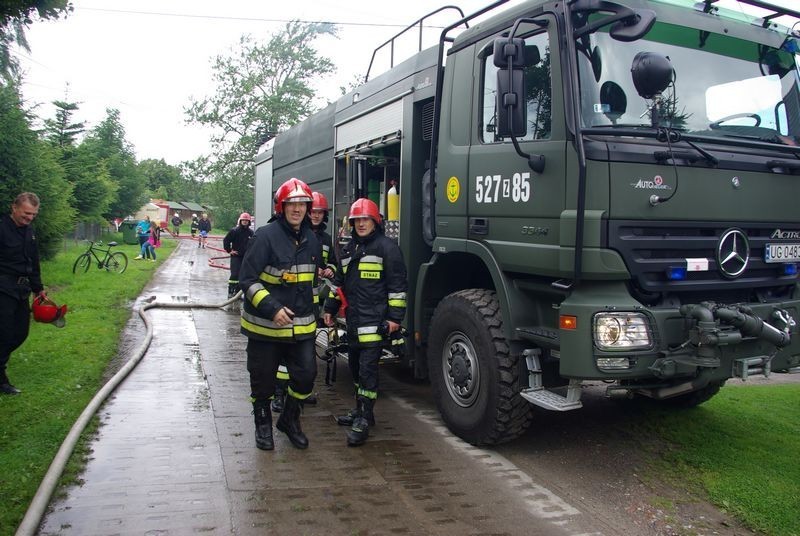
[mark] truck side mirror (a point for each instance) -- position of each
(512, 113)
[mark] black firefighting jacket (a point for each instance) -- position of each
(372, 274)
(279, 270)
(19, 260)
(237, 239)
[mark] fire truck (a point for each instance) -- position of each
(589, 191)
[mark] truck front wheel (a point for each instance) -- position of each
(474, 377)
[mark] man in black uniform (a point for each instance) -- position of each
(372, 275)
(19, 275)
(319, 217)
(235, 243)
(277, 276)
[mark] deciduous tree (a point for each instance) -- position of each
(15, 17)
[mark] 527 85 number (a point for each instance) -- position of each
(494, 188)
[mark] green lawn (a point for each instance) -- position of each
(741, 449)
(60, 370)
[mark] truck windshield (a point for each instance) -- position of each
(724, 87)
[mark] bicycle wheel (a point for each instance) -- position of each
(82, 264)
(117, 262)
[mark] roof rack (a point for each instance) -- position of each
(417, 22)
(777, 11)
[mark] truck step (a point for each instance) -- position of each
(549, 400)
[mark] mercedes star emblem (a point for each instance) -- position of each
(733, 253)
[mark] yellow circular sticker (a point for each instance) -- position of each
(453, 189)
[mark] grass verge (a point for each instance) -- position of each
(60, 370)
(740, 448)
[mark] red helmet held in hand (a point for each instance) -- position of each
(45, 310)
(364, 208)
(292, 190)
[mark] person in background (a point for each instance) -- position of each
(194, 225)
(235, 243)
(277, 276)
(19, 276)
(204, 226)
(143, 234)
(154, 241)
(176, 224)
(373, 278)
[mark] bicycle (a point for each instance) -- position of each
(115, 262)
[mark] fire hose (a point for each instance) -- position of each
(33, 516)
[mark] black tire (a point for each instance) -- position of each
(82, 264)
(474, 378)
(117, 262)
(695, 398)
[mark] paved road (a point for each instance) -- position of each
(175, 452)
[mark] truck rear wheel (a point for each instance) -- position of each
(474, 377)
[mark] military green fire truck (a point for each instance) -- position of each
(589, 190)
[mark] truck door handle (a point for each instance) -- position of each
(479, 226)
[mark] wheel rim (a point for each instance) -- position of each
(460, 369)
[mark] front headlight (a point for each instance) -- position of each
(621, 331)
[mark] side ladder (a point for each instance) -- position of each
(536, 393)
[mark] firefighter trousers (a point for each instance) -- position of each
(363, 362)
(263, 358)
(15, 319)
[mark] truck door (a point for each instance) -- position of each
(512, 209)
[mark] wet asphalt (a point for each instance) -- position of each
(175, 450)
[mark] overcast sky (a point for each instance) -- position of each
(148, 57)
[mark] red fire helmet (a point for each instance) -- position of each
(364, 208)
(291, 190)
(319, 202)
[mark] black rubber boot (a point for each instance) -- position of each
(263, 420)
(359, 432)
(289, 423)
(349, 417)
(311, 400)
(232, 289)
(280, 396)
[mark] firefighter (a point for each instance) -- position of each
(318, 216)
(278, 275)
(235, 243)
(372, 275)
(194, 225)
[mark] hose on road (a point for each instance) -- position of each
(33, 516)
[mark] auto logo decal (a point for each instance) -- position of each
(733, 253)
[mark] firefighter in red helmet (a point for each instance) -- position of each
(372, 275)
(235, 243)
(318, 217)
(278, 275)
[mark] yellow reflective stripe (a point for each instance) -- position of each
(284, 332)
(269, 279)
(281, 375)
(316, 298)
(368, 394)
(258, 296)
(396, 342)
(295, 394)
(309, 328)
(305, 277)
(397, 303)
(370, 338)
(370, 266)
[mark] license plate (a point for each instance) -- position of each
(782, 253)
